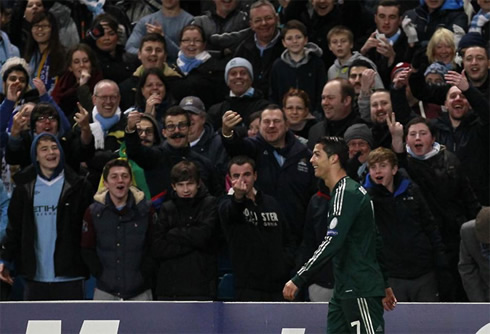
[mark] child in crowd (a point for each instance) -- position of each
(300, 66)
(341, 41)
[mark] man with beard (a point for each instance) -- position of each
(382, 107)
(158, 161)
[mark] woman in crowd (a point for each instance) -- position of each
(203, 76)
(77, 83)
(44, 52)
(295, 105)
(103, 39)
(441, 48)
(152, 96)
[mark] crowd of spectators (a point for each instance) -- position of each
(162, 147)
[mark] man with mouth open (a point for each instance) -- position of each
(45, 223)
(360, 286)
(157, 161)
(446, 188)
(116, 237)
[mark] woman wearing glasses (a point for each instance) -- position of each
(202, 74)
(44, 52)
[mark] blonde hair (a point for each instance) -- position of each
(441, 35)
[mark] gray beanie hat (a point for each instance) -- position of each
(482, 225)
(359, 131)
(239, 62)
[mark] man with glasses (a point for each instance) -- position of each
(107, 126)
(264, 46)
(157, 161)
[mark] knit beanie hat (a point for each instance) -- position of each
(471, 39)
(239, 62)
(436, 68)
(359, 131)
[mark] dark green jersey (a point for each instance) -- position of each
(351, 241)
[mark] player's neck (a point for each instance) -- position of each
(334, 177)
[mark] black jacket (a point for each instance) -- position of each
(447, 191)
(258, 240)
(411, 239)
(291, 184)
(245, 106)
(157, 161)
(19, 243)
(184, 244)
(116, 244)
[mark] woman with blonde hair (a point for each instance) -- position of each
(442, 48)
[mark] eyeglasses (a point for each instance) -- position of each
(181, 126)
(191, 41)
(147, 131)
(107, 98)
(41, 26)
(46, 118)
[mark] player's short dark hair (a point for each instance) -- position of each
(185, 171)
(241, 160)
(335, 145)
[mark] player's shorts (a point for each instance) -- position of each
(355, 315)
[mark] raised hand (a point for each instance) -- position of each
(134, 117)
(230, 119)
(20, 121)
(13, 91)
(457, 79)
(82, 117)
(39, 84)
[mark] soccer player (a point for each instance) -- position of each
(357, 302)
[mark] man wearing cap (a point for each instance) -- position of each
(360, 142)
(474, 257)
(202, 137)
(243, 98)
